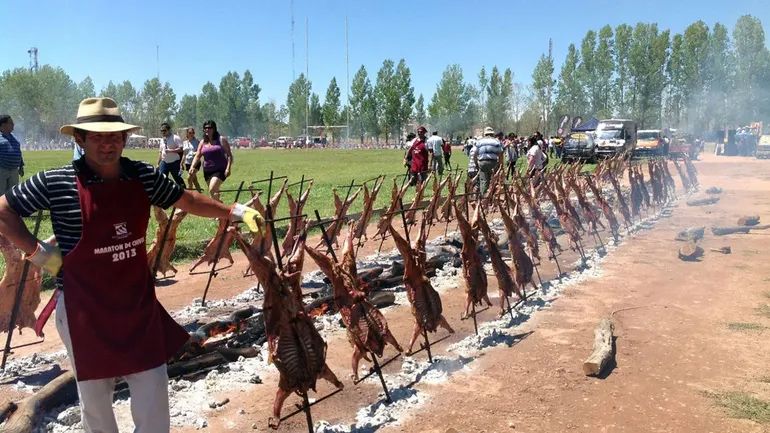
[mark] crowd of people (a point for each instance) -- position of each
(486, 155)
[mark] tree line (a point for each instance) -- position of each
(701, 79)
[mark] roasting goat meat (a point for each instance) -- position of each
(692, 172)
(359, 229)
(522, 265)
(609, 214)
(473, 269)
(383, 225)
(639, 174)
(164, 263)
(425, 301)
(505, 278)
(341, 210)
(14, 265)
(622, 204)
(588, 211)
(636, 192)
(565, 219)
(655, 185)
(419, 193)
(524, 228)
(686, 184)
(225, 234)
(446, 207)
(366, 327)
(431, 212)
(294, 345)
(565, 201)
(541, 223)
(295, 209)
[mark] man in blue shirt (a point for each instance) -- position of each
(11, 162)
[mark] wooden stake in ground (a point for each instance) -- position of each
(603, 352)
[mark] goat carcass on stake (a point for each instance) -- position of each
(473, 269)
(164, 263)
(425, 301)
(294, 345)
(366, 327)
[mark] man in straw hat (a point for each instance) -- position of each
(488, 157)
(111, 323)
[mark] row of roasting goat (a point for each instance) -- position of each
(578, 200)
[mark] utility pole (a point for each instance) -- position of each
(293, 72)
(548, 90)
(307, 79)
(347, 87)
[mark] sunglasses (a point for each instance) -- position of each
(207, 127)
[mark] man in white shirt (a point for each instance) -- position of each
(535, 162)
(170, 155)
(434, 148)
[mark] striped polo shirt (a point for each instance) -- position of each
(489, 149)
(57, 191)
(10, 152)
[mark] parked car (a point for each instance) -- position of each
(579, 146)
(681, 144)
(652, 142)
(615, 136)
(283, 142)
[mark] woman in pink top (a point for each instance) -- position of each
(217, 158)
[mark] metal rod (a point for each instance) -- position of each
(301, 409)
(382, 379)
(19, 292)
(475, 323)
(269, 179)
(268, 220)
(308, 415)
(324, 236)
(300, 183)
(272, 231)
(220, 244)
(427, 344)
(371, 371)
(422, 347)
(162, 244)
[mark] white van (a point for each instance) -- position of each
(614, 136)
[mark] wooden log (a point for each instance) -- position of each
(58, 392)
(602, 353)
(704, 201)
(721, 231)
(748, 220)
(690, 252)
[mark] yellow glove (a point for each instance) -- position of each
(47, 257)
(244, 214)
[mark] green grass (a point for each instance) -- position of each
(742, 405)
(745, 326)
(329, 168)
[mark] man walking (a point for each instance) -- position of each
(420, 158)
(536, 160)
(435, 147)
(107, 314)
(11, 161)
(490, 151)
(170, 155)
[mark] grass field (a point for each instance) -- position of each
(329, 168)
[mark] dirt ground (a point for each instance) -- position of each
(675, 324)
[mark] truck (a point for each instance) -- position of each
(652, 142)
(579, 146)
(615, 136)
(763, 147)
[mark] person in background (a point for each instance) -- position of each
(11, 161)
(170, 154)
(107, 312)
(217, 158)
(435, 148)
(446, 148)
(77, 151)
(489, 156)
(420, 158)
(473, 165)
(408, 155)
(536, 162)
(469, 143)
(190, 148)
(511, 154)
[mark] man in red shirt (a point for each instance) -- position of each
(418, 169)
(447, 148)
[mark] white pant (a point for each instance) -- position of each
(149, 393)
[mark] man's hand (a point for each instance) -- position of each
(21, 171)
(244, 214)
(47, 257)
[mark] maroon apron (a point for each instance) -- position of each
(116, 323)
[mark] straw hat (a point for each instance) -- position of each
(489, 131)
(99, 115)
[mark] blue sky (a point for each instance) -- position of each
(200, 41)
